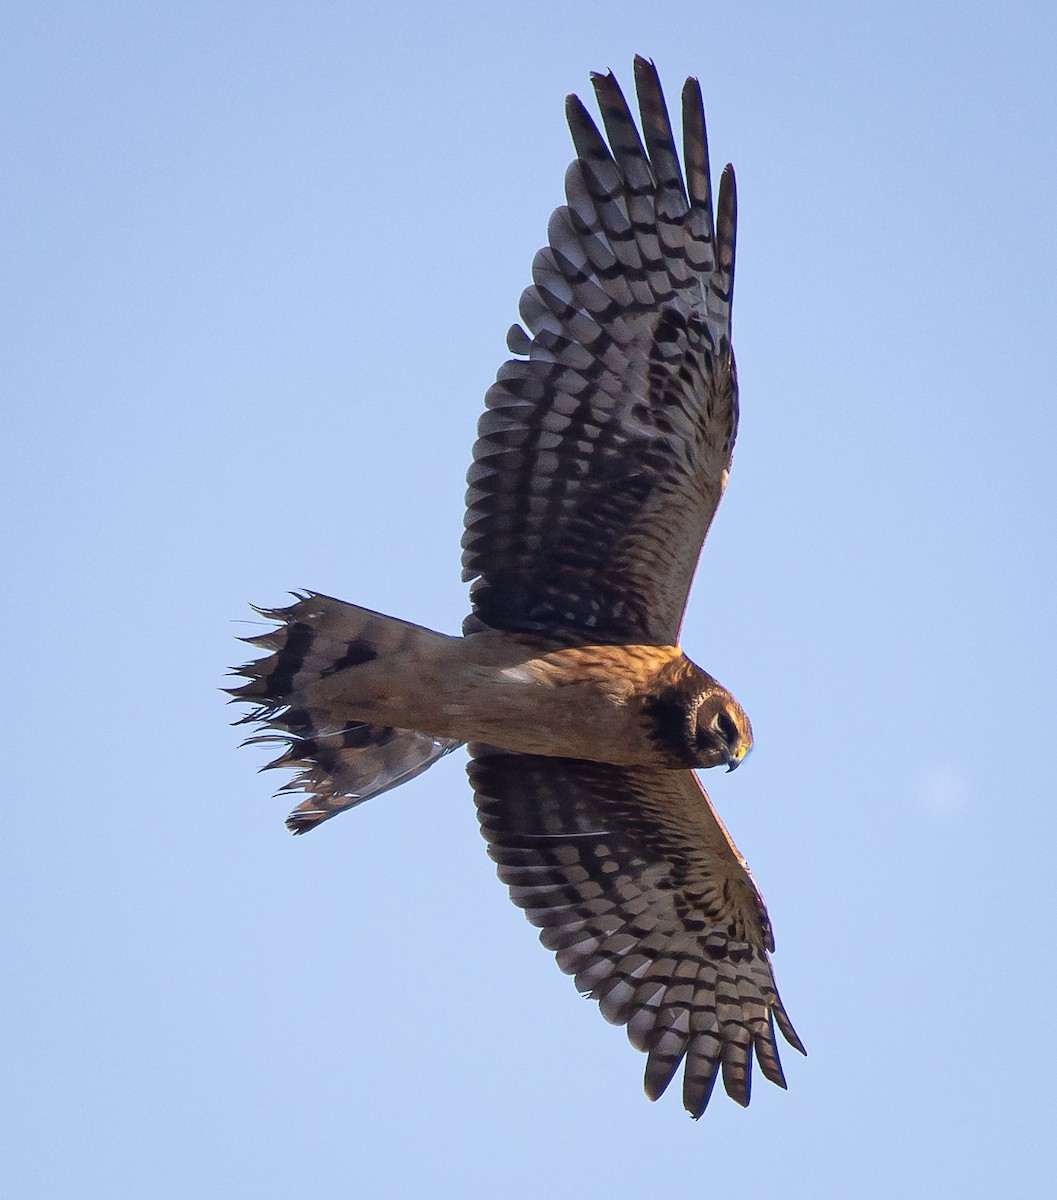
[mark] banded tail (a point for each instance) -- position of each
(340, 763)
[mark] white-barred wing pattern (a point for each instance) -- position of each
(604, 450)
(639, 891)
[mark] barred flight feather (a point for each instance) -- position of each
(603, 453)
(645, 901)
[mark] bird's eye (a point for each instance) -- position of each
(726, 728)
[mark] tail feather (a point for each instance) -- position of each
(339, 763)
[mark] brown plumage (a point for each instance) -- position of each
(600, 461)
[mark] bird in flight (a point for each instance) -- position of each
(600, 461)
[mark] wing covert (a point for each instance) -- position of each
(603, 453)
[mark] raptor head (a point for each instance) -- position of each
(694, 721)
(722, 733)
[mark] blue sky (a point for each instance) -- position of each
(258, 264)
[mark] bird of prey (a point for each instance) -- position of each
(600, 460)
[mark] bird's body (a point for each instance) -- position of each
(600, 461)
(517, 692)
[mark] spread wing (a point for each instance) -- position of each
(604, 448)
(637, 887)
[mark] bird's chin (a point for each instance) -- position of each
(707, 759)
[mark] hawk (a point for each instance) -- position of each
(600, 461)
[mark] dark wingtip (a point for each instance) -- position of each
(791, 1037)
(787, 1030)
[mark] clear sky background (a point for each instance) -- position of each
(258, 264)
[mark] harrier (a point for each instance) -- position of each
(599, 464)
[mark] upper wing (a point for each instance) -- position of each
(637, 886)
(603, 453)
